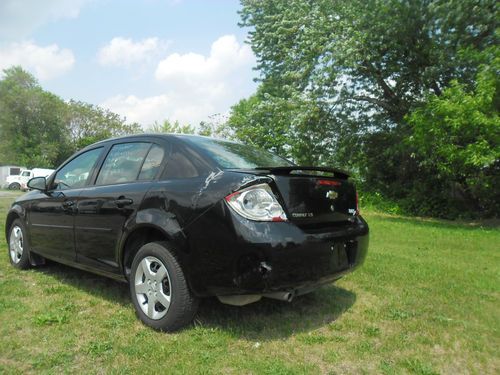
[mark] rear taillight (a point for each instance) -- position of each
(257, 203)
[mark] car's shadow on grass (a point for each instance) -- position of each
(98, 286)
(264, 320)
(270, 319)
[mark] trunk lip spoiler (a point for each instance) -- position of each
(338, 173)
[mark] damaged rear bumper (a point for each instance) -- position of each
(270, 258)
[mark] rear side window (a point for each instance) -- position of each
(152, 163)
(182, 164)
(123, 163)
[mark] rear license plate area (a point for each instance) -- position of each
(344, 254)
(351, 249)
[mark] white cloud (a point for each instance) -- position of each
(45, 62)
(195, 86)
(226, 55)
(124, 52)
(20, 18)
(147, 110)
(144, 111)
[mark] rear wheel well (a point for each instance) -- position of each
(135, 241)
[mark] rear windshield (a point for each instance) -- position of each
(236, 155)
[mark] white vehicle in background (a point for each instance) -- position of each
(19, 182)
(6, 171)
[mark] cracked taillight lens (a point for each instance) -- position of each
(257, 203)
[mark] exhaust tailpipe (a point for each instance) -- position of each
(282, 296)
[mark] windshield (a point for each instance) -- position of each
(236, 155)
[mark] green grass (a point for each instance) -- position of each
(425, 302)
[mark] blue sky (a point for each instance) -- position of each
(148, 60)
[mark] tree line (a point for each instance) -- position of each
(39, 129)
(404, 93)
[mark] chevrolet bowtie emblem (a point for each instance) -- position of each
(332, 194)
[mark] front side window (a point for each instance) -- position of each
(75, 174)
(26, 174)
(123, 163)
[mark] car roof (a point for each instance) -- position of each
(152, 135)
(182, 138)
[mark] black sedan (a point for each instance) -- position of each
(182, 217)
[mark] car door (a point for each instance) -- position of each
(51, 217)
(123, 179)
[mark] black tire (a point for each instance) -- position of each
(22, 262)
(14, 186)
(183, 305)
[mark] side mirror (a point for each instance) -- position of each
(38, 183)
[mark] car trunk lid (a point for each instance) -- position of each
(314, 195)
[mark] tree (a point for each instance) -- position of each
(38, 129)
(89, 123)
(169, 127)
(295, 127)
(354, 71)
(216, 126)
(384, 56)
(32, 127)
(459, 134)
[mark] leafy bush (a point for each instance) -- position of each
(375, 201)
(457, 134)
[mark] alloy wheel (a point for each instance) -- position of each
(16, 244)
(153, 287)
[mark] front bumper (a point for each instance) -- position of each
(230, 255)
